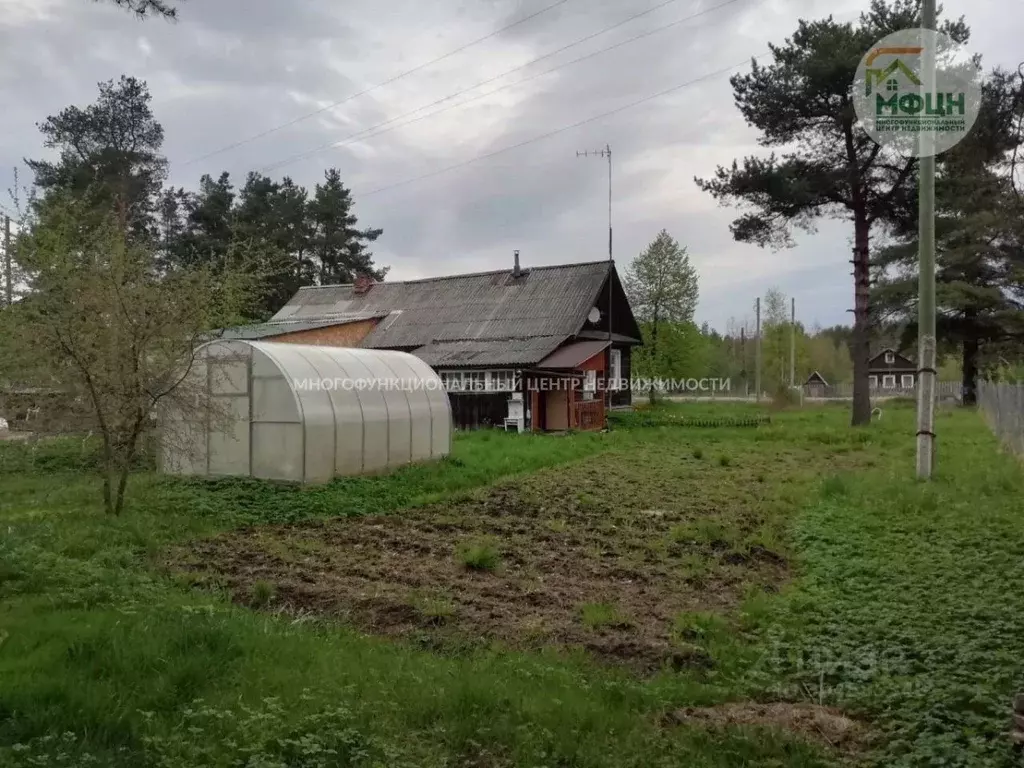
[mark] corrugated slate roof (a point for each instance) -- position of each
(493, 306)
(481, 352)
(277, 327)
(573, 355)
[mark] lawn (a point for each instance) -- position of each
(669, 593)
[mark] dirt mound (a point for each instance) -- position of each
(824, 725)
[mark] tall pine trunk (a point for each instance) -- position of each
(861, 303)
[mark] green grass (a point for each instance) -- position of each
(263, 594)
(905, 611)
(478, 555)
(597, 615)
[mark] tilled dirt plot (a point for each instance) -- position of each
(606, 555)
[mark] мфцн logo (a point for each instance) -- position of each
(896, 105)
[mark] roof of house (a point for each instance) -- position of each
(451, 315)
(817, 376)
(573, 355)
(898, 356)
(268, 330)
(477, 352)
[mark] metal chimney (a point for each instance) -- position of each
(516, 271)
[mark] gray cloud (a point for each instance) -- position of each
(234, 68)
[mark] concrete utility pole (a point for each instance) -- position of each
(792, 343)
(8, 264)
(743, 353)
(757, 352)
(926, 277)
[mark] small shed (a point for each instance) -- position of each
(304, 413)
(816, 379)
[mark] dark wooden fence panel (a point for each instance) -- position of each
(470, 411)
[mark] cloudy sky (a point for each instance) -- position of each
(244, 85)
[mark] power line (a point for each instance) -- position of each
(371, 132)
(365, 91)
(563, 129)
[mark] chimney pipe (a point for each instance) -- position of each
(516, 271)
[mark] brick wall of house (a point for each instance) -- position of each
(343, 335)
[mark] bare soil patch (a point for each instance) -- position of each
(605, 555)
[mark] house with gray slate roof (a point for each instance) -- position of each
(548, 346)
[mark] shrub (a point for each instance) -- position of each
(785, 396)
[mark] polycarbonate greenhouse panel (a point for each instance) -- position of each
(307, 413)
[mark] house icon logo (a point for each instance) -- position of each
(918, 92)
(887, 76)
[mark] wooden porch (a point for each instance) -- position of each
(589, 414)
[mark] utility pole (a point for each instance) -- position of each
(792, 343)
(926, 275)
(757, 352)
(8, 265)
(606, 153)
(743, 352)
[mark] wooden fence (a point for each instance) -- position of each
(943, 390)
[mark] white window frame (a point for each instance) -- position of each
(873, 381)
(889, 381)
(615, 366)
(476, 381)
(589, 384)
(907, 381)
(890, 358)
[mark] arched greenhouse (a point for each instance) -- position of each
(303, 413)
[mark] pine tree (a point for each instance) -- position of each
(803, 100)
(109, 156)
(339, 249)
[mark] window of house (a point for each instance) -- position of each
(873, 382)
(907, 381)
(589, 385)
(501, 381)
(889, 381)
(451, 380)
(890, 357)
(479, 381)
(616, 369)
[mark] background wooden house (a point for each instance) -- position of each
(891, 370)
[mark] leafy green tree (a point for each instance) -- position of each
(662, 288)
(108, 326)
(802, 102)
(681, 352)
(109, 156)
